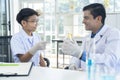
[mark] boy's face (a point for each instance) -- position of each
(30, 25)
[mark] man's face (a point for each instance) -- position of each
(31, 24)
(90, 23)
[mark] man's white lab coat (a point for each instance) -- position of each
(107, 43)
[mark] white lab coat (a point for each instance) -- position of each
(107, 43)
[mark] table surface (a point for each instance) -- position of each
(45, 73)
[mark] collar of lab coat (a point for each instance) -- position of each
(101, 33)
(25, 35)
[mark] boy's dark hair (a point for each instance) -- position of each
(96, 9)
(25, 13)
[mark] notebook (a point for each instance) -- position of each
(15, 69)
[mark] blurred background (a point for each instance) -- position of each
(59, 17)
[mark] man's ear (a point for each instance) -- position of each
(100, 18)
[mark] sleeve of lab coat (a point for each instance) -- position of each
(76, 62)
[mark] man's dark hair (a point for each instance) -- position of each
(96, 9)
(25, 13)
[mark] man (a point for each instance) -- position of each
(106, 39)
(25, 44)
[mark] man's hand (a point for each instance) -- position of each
(72, 67)
(39, 46)
(71, 48)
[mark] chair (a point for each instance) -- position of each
(47, 61)
(67, 67)
(5, 52)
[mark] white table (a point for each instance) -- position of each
(40, 73)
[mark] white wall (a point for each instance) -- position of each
(113, 19)
(14, 4)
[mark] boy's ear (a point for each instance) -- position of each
(23, 22)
